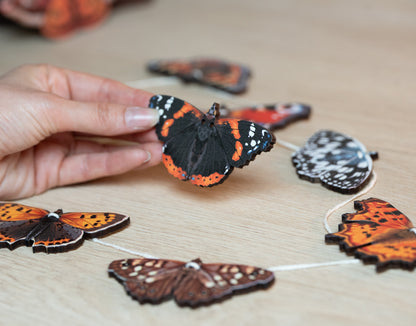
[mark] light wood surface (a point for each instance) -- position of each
(353, 61)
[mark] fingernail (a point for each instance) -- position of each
(149, 157)
(138, 118)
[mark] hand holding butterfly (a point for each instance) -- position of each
(47, 118)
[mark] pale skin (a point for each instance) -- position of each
(47, 118)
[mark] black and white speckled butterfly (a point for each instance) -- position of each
(339, 162)
(190, 284)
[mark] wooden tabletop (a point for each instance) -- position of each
(353, 61)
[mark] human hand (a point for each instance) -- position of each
(43, 112)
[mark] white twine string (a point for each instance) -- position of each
(281, 268)
(313, 265)
(340, 205)
(286, 144)
(137, 253)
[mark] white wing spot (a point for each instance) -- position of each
(233, 281)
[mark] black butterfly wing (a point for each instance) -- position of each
(175, 116)
(242, 140)
(42, 234)
(55, 237)
(339, 162)
(13, 233)
(231, 143)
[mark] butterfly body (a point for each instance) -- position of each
(377, 233)
(339, 162)
(190, 284)
(40, 227)
(203, 148)
(52, 232)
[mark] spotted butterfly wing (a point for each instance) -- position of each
(217, 73)
(339, 162)
(64, 16)
(52, 232)
(201, 147)
(190, 284)
(377, 233)
(271, 116)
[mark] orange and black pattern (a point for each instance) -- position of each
(378, 233)
(217, 73)
(52, 232)
(190, 284)
(202, 148)
(270, 116)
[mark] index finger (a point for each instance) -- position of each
(85, 87)
(77, 86)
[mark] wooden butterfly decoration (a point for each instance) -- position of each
(341, 163)
(190, 284)
(377, 233)
(52, 232)
(203, 148)
(230, 77)
(270, 116)
(65, 16)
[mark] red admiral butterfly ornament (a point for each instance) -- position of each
(52, 232)
(217, 73)
(272, 116)
(190, 284)
(201, 147)
(378, 233)
(339, 162)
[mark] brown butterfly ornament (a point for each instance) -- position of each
(190, 284)
(52, 232)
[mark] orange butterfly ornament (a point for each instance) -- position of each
(52, 232)
(378, 233)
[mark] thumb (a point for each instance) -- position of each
(106, 119)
